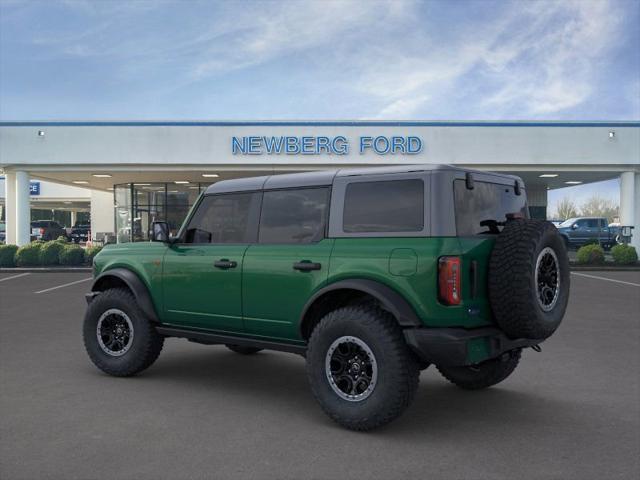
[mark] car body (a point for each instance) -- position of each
(47, 230)
(80, 232)
(275, 262)
(579, 231)
(3, 232)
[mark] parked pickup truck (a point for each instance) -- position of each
(582, 230)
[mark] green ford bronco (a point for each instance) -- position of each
(371, 274)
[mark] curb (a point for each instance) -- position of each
(604, 268)
(45, 269)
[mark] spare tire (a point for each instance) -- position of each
(529, 279)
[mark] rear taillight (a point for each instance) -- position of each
(42, 231)
(449, 280)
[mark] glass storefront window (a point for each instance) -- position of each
(138, 205)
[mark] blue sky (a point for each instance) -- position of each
(458, 60)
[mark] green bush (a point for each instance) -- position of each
(29, 255)
(91, 252)
(50, 253)
(71, 255)
(624, 254)
(591, 255)
(62, 239)
(8, 255)
(592, 241)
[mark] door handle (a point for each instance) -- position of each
(306, 266)
(225, 264)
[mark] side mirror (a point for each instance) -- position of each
(160, 232)
(574, 226)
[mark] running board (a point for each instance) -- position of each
(216, 338)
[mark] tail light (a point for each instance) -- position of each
(449, 280)
(41, 231)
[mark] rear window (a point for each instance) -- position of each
(384, 206)
(487, 201)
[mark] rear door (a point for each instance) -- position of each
(203, 271)
(289, 262)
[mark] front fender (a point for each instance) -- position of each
(133, 282)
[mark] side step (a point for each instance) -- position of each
(215, 338)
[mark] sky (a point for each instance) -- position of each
(395, 60)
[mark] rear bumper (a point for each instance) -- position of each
(458, 346)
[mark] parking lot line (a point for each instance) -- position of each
(605, 279)
(12, 277)
(64, 285)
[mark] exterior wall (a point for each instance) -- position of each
(102, 215)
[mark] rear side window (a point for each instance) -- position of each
(384, 206)
(228, 218)
(487, 201)
(293, 216)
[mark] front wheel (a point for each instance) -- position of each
(361, 371)
(483, 375)
(118, 337)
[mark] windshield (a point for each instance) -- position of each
(568, 223)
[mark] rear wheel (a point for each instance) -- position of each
(361, 371)
(483, 375)
(242, 349)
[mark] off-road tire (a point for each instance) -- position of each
(243, 350)
(484, 374)
(513, 292)
(398, 372)
(145, 346)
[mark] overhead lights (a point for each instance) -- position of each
(549, 175)
(172, 191)
(101, 175)
(41, 133)
(141, 184)
(80, 182)
(612, 134)
(194, 188)
(573, 182)
(66, 203)
(181, 182)
(210, 175)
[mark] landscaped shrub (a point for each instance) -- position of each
(62, 239)
(29, 255)
(624, 254)
(50, 253)
(590, 254)
(91, 252)
(592, 241)
(8, 255)
(71, 255)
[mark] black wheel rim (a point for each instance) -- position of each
(547, 278)
(114, 332)
(351, 368)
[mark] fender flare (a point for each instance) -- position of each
(137, 287)
(388, 298)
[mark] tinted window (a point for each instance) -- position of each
(384, 206)
(593, 223)
(224, 219)
(487, 201)
(293, 216)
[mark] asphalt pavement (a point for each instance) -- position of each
(569, 412)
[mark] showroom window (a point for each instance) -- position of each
(384, 206)
(293, 216)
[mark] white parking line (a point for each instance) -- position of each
(12, 277)
(606, 279)
(65, 285)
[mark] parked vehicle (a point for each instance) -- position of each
(579, 231)
(371, 274)
(80, 232)
(47, 230)
(3, 232)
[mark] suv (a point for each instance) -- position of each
(371, 274)
(47, 230)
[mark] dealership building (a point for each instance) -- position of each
(139, 172)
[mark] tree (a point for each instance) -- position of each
(565, 209)
(597, 206)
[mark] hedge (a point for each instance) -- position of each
(29, 255)
(8, 255)
(72, 255)
(590, 254)
(50, 253)
(624, 254)
(91, 252)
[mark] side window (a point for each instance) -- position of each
(228, 218)
(592, 223)
(384, 206)
(581, 223)
(293, 216)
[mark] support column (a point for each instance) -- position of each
(23, 209)
(73, 218)
(10, 206)
(630, 204)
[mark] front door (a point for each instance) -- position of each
(203, 270)
(289, 262)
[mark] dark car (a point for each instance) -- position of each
(80, 232)
(47, 230)
(3, 232)
(580, 231)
